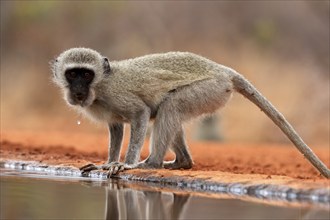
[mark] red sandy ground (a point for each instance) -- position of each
(78, 149)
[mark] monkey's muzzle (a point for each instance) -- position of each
(78, 97)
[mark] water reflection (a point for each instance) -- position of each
(125, 203)
(43, 197)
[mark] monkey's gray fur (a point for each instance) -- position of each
(170, 88)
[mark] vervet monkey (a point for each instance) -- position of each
(169, 88)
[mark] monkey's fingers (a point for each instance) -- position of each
(88, 167)
(110, 172)
(108, 166)
(115, 169)
(83, 167)
(122, 168)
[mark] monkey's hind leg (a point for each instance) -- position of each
(182, 156)
(167, 124)
(183, 104)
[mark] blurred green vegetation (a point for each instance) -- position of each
(281, 46)
(265, 32)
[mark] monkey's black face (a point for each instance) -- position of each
(79, 80)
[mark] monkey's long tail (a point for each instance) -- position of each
(244, 87)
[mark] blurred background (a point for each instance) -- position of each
(282, 47)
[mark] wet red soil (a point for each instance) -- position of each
(78, 149)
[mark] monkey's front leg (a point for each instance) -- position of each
(139, 126)
(116, 132)
(138, 132)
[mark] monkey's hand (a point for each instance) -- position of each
(113, 168)
(89, 167)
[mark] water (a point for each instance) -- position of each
(34, 196)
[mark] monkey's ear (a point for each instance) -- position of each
(106, 66)
(53, 64)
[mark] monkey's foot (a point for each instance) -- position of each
(113, 168)
(175, 165)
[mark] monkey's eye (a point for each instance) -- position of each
(89, 76)
(71, 75)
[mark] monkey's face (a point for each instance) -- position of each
(77, 72)
(79, 91)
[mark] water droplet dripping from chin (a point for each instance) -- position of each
(78, 122)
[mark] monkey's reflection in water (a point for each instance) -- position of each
(126, 203)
